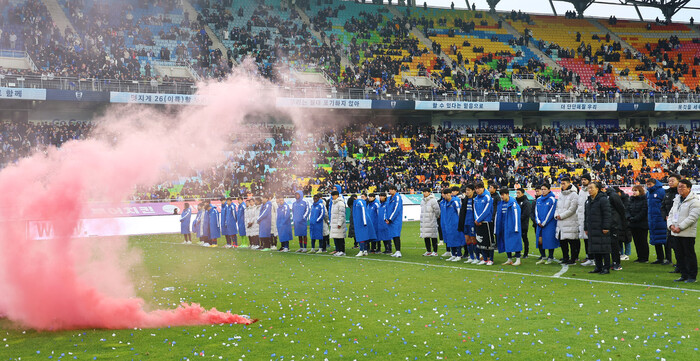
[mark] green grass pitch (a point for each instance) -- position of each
(318, 307)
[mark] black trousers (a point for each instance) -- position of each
(573, 245)
(668, 246)
(431, 242)
(524, 236)
(397, 243)
(602, 261)
(616, 240)
(686, 259)
(639, 236)
(339, 244)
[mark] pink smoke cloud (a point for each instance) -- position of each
(69, 283)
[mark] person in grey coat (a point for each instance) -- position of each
(567, 222)
(429, 215)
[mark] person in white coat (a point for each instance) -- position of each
(581, 212)
(567, 222)
(326, 227)
(429, 215)
(254, 226)
(338, 229)
(273, 229)
(683, 222)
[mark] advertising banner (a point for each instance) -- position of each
(578, 107)
(323, 103)
(443, 105)
(22, 93)
(150, 98)
(677, 107)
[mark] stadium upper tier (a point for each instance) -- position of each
(366, 157)
(385, 48)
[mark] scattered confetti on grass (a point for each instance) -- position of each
(321, 307)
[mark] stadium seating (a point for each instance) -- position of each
(130, 39)
(148, 32)
(637, 35)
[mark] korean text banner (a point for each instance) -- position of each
(677, 107)
(22, 93)
(578, 107)
(445, 105)
(323, 103)
(150, 98)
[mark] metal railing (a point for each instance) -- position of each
(103, 85)
(176, 87)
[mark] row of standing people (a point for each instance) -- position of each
(263, 224)
(468, 219)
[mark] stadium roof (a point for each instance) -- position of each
(644, 10)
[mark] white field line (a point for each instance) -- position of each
(481, 269)
(564, 268)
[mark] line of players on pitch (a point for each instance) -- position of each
(468, 221)
(374, 219)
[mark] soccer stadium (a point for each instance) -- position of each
(349, 180)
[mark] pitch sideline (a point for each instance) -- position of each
(555, 276)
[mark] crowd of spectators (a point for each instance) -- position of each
(18, 140)
(117, 43)
(365, 156)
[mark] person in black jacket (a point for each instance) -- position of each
(626, 249)
(525, 212)
(666, 205)
(538, 193)
(351, 226)
(496, 199)
(638, 224)
(619, 225)
(597, 224)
